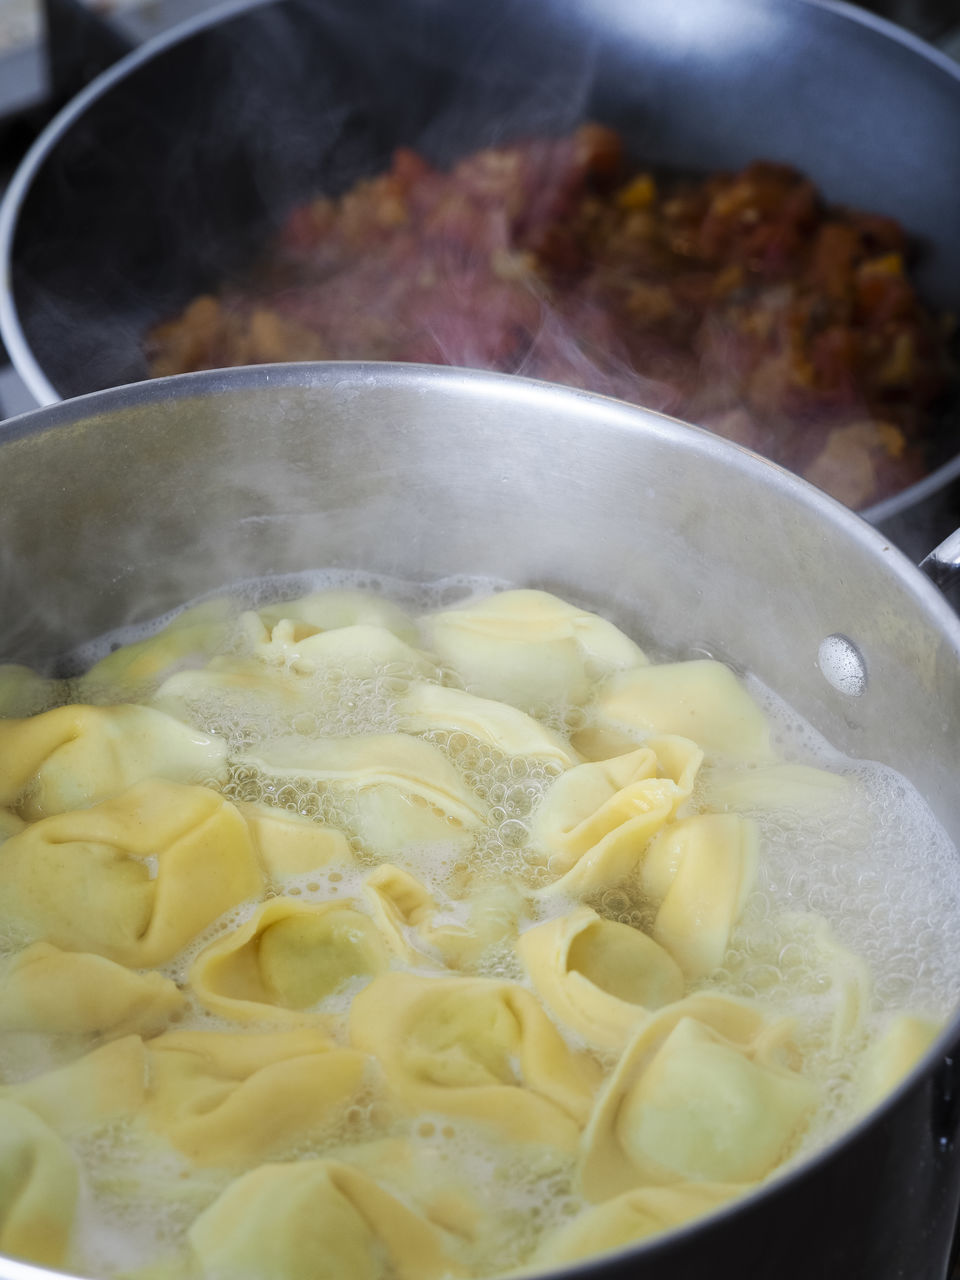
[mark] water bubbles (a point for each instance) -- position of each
(615, 903)
(573, 719)
(512, 833)
(842, 665)
(310, 805)
(763, 977)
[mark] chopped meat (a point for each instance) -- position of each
(740, 302)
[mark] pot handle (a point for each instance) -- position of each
(942, 565)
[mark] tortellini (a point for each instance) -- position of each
(289, 845)
(191, 634)
(234, 1099)
(413, 924)
(597, 819)
(355, 942)
(405, 790)
(702, 700)
(476, 1048)
(73, 757)
(288, 957)
(529, 649)
(45, 989)
(82, 880)
(843, 979)
(39, 1184)
(699, 871)
(775, 787)
(10, 824)
(107, 1084)
(243, 688)
(704, 1092)
(902, 1044)
(598, 977)
(426, 707)
(340, 608)
(402, 907)
(221, 1098)
(631, 1217)
(317, 1220)
(200, 632)
(360, 647)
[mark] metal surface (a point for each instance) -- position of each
(116, 507)
(942, 564)
(177, 161)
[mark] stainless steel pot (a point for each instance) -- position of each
(167, 172)
(117, 506)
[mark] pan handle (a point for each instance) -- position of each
(942, 565)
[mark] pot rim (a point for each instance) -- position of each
(360, 374)
(41, 388)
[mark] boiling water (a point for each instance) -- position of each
(876, 867)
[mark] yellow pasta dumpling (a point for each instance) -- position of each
(900, 1047)
(232, 1100)
(74, 756)
(288, 956)
(598, 977)
(529, 648)
(243, 689)
(631, 1217)
(702, 700)
(411, 920)
(843, 979)
(702, 1093)
(44, 989)
(106, 1084)
(406, 791)
(427, 707)
(38, 1188)
(193, 634)
(476, 1048)
(339, 607)
(402, 906)
(84, 880)
(222, 1099)
(317, 1220)
(289, 845)
(359, 648)
(772, 787)
(700, 871)
(440, 1190)
(597, 819)
(10, 824)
